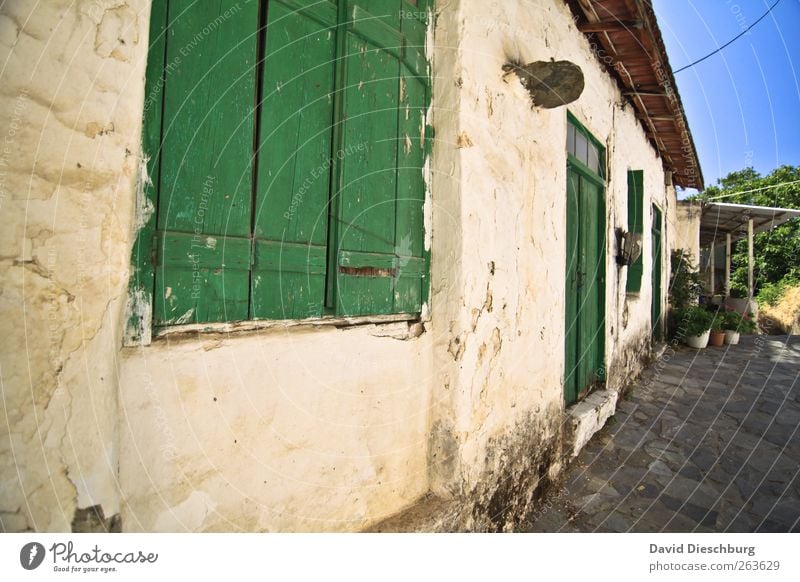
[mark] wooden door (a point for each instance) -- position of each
(585, 284)
(655, 308)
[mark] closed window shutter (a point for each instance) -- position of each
(204, 207)
(635, 225)
(139, 313)
(294, 161)
(410, 282)
(380, 264)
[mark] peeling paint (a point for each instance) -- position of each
(466, 403)
(144, 207)
(184, 318)
(74, 204)
(139, 308)
(427, 207)
(464, 141)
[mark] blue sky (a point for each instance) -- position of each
(743, 104)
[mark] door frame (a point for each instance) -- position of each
(657, 274)
(572, 391)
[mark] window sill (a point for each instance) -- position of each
(412, 329)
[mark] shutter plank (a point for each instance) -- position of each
(410, 227)
(208, 110)
(206, 175)
(142, 280)
(294, 161)
(382, 191)
(201, 278)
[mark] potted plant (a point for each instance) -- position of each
(736, 324)
(740, 300)
(717, 338)
(733, 327)
(695, 324)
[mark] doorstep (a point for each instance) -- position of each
(587, 417)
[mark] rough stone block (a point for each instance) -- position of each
(589, 416)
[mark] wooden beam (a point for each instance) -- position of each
(727, 264)
(712, 268)
(655, 117)
(609, 25)
(750, 257)
(645, 93)
(624, 54)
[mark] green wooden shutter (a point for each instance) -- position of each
(635, 225)
(140, 287)
(380, 265)
(294, 160)
(411, 277)
(204, 206)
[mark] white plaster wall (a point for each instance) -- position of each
(71, 86)
(503, 186)
(628, 322)
(305, 430)
(311, 429)
(687, 228)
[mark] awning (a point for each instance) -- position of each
(625, 38)
(720, 219)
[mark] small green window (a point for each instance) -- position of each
(584, 148)
(635, 225)
(285, 142)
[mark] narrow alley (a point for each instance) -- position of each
(705, 441)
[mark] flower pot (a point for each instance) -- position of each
(698, 341)
(742, 305)
(717, 338)
(731, 337)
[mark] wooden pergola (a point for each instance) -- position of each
(723, 223)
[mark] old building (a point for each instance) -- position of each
(245, 286)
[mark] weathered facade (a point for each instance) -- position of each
(328, 424)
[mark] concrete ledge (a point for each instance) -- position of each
(587, 417)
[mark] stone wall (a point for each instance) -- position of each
(498, 294)
(71, 91)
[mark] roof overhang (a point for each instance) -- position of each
(630, 46)
(720, 219)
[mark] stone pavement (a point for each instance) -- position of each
(706, 441)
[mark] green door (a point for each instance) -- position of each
(655, 308)
(585, 284)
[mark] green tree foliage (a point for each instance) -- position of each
(684, 281)
(776, 252)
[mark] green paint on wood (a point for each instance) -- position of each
(635, 225)
(294, 161)
(206, 163)
(572, 376)
(385, 96)
(655, 307)
(584, 338)
(201, 278)
(261, 220)
(140, 292)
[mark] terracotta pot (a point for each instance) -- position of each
(717, 338)
(697, 341)
(731, 337)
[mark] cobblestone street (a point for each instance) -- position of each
(706, 441)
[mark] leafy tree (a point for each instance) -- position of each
(684, 281)
(776, 252)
